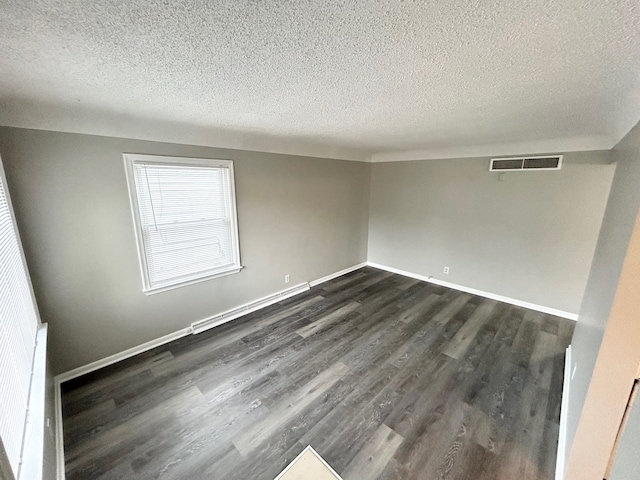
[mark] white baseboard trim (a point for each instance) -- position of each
(562, 436)
(118, 357)
(493, 296)
(337, 274)
(195, 328)
(202, 325)
(224, 317)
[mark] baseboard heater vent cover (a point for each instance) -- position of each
(224, 317)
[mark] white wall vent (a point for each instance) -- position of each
(520, 164)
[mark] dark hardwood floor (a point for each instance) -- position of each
(385, 376)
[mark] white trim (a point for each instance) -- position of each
(201, 325)
(118, 357)
(33, 443)
(337, 274)
(131, 159)
(493, 296)
(309, 448)
(195, 328)
(232, 314)
(59, 429)
(153, 291)
(564, 412)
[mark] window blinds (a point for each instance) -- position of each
(186, 221)
(18, 326)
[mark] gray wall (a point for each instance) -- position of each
(530, 237)
(303, 216)
(617, 226)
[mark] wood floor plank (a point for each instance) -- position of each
(202, 434)
(354, 432)
(496, 391)
(523, 455)
(542, 359)
(524, 342)
(327, 320)
(322, 434)
(451, 308)
(112, 443)
(432, 389)
(372, 459)
(249, 440)
(509, 328)
(393, 471)
(387, 377)
(461, 448)
(419, 308)
(461, 341)
(76, 425)
(108, 383)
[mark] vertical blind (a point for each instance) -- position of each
(18, 326)
(186, 218)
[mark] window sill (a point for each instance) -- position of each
(164, 288)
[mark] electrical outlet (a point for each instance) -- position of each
(446, 270)
(287, 278)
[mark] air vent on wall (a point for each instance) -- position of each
(519, 164)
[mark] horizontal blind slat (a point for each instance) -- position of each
(185, 215)
(18, 324)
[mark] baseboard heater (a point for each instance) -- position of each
(224, 317)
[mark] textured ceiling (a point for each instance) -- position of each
(396, 79)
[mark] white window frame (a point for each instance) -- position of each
(130, 159)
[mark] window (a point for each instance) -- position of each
(184, 213)
(19, 323)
